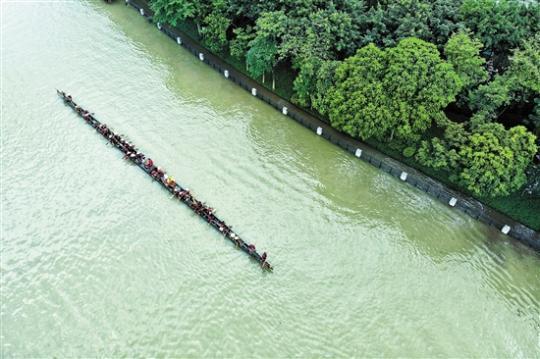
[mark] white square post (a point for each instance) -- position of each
(201, 56)
(178, 40)
(284, 110)
(159, 26)
(358, 153)
(403, 176)
(452, 202)
(254, 91)
(141, 11)
(319, 130)
(506, 229)
(226, 73)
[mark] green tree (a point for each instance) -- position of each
(304, 83)
(240, 44)
(358, 103)
(263, 52)
(421, 85)
(502, 25)
(174, 12)
(388, 22)
(534, 118)
(520, 84)
(399, 90)
(324, 81)
(493, 160)
(313, 81)
(214, 31)
(463, 53)
(261, 57)
(436, 154)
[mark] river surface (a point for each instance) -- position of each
(97, 260)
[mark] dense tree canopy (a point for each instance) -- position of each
(400, 90)
(463, 52)
(388, 69)
(358, 103)
(501, 25)
(488, 161)
(519, 84)
(493, 160)
(176, 11)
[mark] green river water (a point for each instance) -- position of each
(96, 260)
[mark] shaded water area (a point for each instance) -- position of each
(98, 261)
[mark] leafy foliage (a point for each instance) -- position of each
(401, 90)
(501, 25)
(409, 151)
(214, 32)
(374, 67)
(388, 22)
(175, 11)
(490, 161)
(261, 57)
(493, 160)
(463, 53)
(358, 102)
(313, 82)
(435, 154)
(520, 83)
(239, 46)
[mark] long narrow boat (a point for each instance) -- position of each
(180, 193)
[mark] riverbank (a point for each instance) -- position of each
(405, 173)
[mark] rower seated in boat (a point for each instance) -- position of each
(237, 240)
(149, 163)
(170, 182)
(251, 248)
(263, 258)
(102, 128)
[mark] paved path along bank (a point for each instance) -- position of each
(467, 204)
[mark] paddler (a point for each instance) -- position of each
(237, 240)
(171, 182)
(251, 248)
(164, 179)
(149, 163)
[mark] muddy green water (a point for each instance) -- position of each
(98, 261)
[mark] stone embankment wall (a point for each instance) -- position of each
(452, 198)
